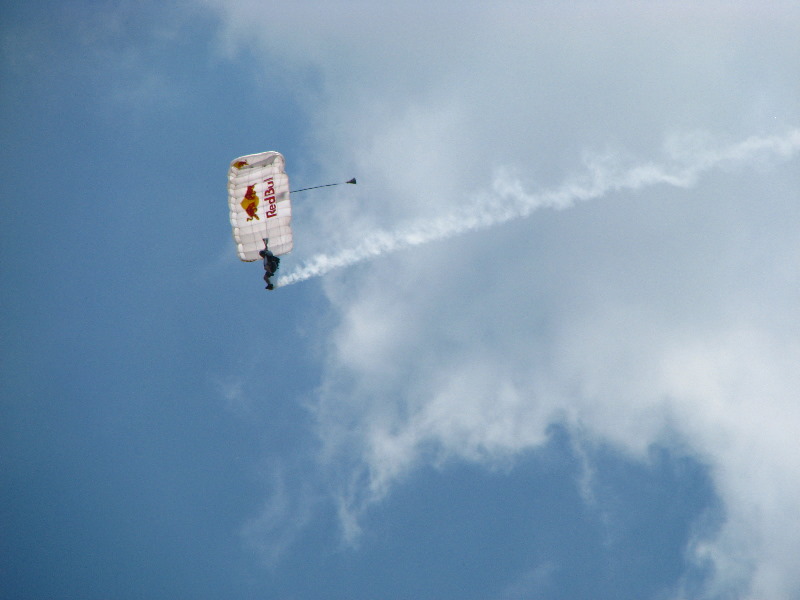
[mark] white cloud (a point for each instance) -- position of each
(735, 395)
(658, 314)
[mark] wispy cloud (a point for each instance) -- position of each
(282, 517)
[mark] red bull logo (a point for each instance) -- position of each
(250, 203)
(240, 163)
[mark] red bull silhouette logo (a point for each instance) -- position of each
(240, 163)
(250, 203)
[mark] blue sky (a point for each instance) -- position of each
(546, 348)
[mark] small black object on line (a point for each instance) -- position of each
(353, 181)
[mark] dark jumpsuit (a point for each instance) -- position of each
(271, 263)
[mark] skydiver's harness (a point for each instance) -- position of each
(271, 263)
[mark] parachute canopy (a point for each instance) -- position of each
(258, 197)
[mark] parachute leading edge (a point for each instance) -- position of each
(258, 198)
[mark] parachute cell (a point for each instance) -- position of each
(258, 197)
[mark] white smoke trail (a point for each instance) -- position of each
(510, 201)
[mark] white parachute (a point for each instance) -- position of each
(258, 197)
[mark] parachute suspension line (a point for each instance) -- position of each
(353, 181)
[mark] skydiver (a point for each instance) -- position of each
(271, 264)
